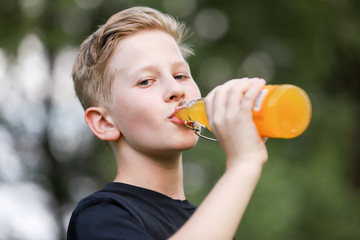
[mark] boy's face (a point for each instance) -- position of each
(151, 78)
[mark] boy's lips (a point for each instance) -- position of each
(174, 118)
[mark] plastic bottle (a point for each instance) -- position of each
(280, 111)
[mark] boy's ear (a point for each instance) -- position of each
(101, 124)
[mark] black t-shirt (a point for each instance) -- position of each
(122, 211)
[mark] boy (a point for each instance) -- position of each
(130, 76)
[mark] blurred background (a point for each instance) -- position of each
(49, 160)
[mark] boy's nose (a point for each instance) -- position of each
(175, 92)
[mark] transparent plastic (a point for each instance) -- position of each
(280, 111)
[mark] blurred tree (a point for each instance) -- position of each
(311, 185)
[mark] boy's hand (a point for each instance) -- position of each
(229, 110)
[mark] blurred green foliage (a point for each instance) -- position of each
(310, 188)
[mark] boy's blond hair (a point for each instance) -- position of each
(91, 77)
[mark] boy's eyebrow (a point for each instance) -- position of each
(180, 63)
(153, 67)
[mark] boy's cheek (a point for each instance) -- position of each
(135, 120)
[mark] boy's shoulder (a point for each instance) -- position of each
(113, 195)
(125, 195)
(129, 207)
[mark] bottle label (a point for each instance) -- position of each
(259, 100)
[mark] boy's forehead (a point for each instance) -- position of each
(147, 42)
(144, 48)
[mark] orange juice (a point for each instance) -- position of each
(280, 111)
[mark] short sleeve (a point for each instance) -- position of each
(105, 221)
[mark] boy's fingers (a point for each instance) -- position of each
(236, 94)
(216, 103)
(209, 102)
(219, 105)
(251, 94)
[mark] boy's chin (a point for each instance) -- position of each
(189, 143)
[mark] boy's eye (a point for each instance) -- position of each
(145, 82)
(179, 77)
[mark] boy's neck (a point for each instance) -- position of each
(163, 174)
